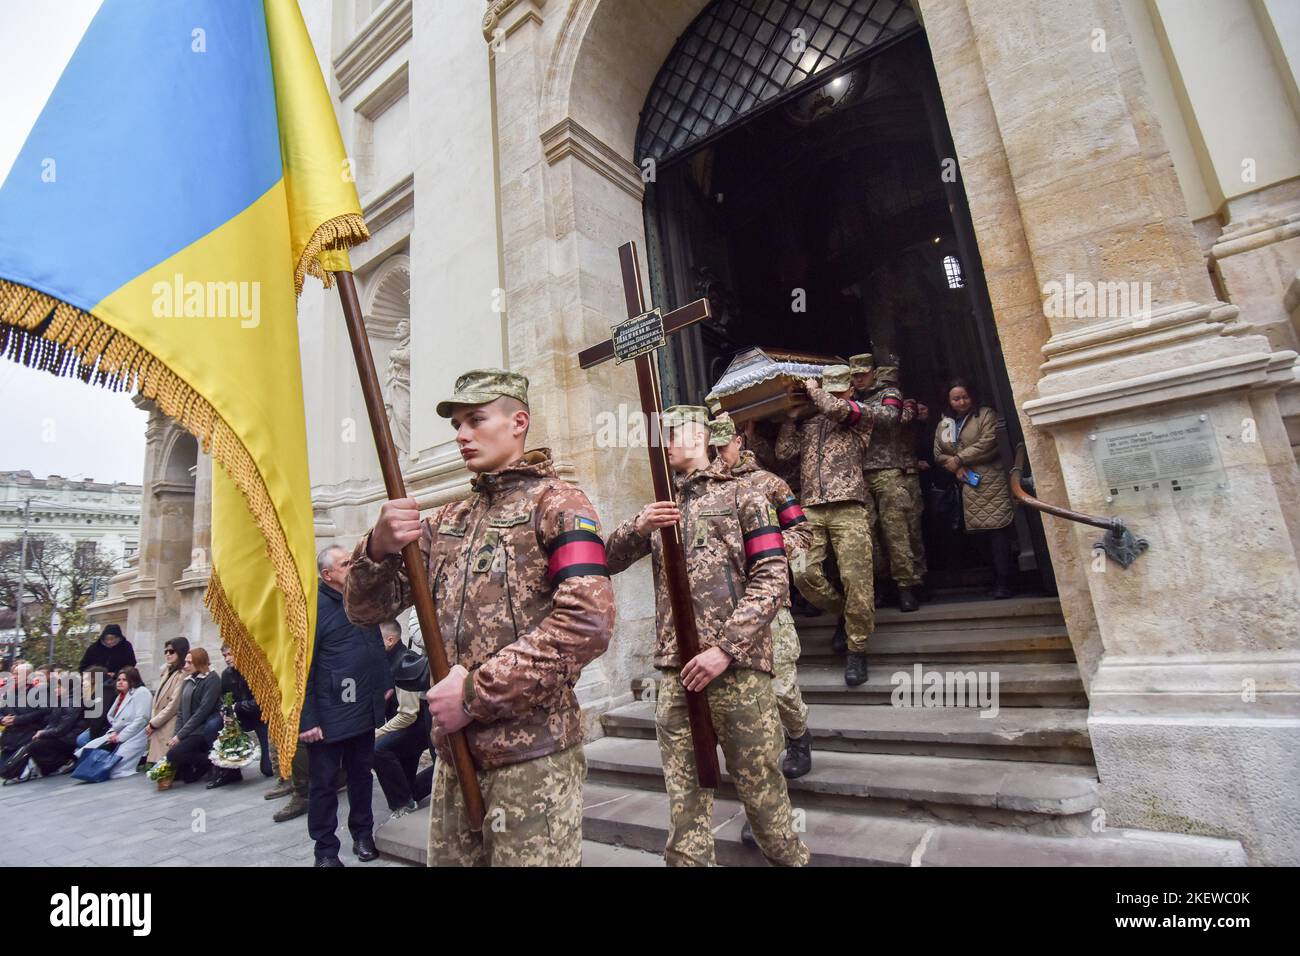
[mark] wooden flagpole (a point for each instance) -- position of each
(415, 569)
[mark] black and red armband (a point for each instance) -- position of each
(764, 542)
(574, 554)
(790, 514)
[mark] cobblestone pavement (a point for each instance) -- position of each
(58, 821)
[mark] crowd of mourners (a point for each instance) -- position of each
(52, 719)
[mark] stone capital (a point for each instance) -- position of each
(502, 13)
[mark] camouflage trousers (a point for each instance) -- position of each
(532, 814)
(843, 526)
(913, 481)
(785, 679)
(745, 720)
(889, 507)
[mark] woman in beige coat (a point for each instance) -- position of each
(162, 722)
(966, 444)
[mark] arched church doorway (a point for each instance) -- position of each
(801, 176)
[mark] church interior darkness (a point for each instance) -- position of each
(822, 223)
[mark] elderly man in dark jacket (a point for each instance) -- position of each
(21, 717)
(344, 703)
(112, 651)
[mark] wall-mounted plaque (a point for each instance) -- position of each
(638, 335)
(1171, 456)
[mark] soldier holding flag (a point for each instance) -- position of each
(524, 602)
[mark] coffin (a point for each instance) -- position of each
(765, 383)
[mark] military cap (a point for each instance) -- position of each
(861, 363)
(714, 403)
(835, 378)
(887, 374)
(482, 385)
(721, 431)
(678, 415)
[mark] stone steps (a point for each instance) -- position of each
(1029, 629)
(1056, 735)
(1045, 798)
(1048, 684)
(638, 819)
(1046, 643)
(961, 611)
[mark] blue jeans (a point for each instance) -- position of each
(83, 738)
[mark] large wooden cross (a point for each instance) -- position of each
(638, 339)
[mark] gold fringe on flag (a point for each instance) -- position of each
(333, 234)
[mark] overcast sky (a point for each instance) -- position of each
(50, 425)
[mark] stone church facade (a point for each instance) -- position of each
(1109, 141)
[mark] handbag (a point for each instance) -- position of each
(96, 765)
(13, 767)
(947, 507)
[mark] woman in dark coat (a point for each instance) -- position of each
(97, 697)
(200, 698)
(112, 651)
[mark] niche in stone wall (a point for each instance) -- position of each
(387, 309)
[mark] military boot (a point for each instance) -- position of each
(747, 835)
(855, 668)
(907, 600)
(296, 807)
(798, 756)
(840, 639)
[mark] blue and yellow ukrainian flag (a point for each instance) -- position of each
(183, 177)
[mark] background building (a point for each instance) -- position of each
(100, 520)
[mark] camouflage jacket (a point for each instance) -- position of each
(884, 450)
(735, 562)
(830, 446)
(524, 602)
(796, 533)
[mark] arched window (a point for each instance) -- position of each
(952, 270)
(740, 55)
